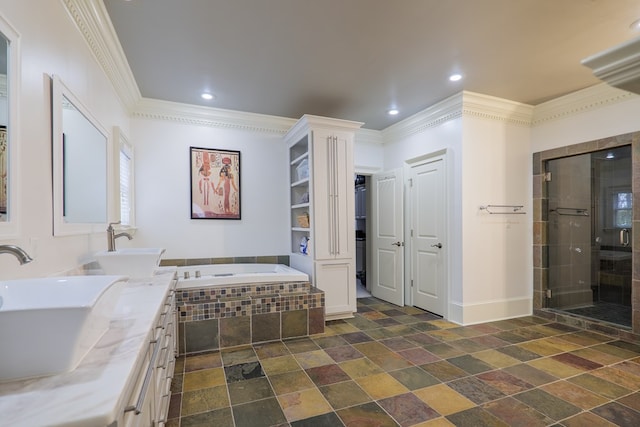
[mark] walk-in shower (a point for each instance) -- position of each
(590, 208)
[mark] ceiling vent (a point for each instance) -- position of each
(618, 66)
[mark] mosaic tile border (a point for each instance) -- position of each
(246, 290)
(259, 259)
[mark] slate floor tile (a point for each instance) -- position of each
(400, 366)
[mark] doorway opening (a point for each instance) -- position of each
(361, 202)
(590, 210)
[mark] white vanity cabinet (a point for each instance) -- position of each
(326, 194)
(124, 380)
(148, 402)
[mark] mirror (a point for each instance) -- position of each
(80, 162)
(9, 84)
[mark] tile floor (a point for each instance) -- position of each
(391, 366)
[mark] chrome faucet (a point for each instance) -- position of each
(111, 236)
(22, 256)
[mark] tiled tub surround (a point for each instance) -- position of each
(95, 393)
(213, 318)
(541, 237)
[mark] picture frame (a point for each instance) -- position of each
(215, 183)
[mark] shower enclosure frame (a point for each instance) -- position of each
(541, 243)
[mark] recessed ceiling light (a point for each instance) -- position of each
(455, 77)
(393, 112)
(207, 96)
(635, 25)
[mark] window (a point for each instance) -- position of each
(622, 209)
(126, 184)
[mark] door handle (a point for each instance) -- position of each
(398, 244)
(624, 237)
(438, 245)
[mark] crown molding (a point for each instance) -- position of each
(589, 99)
(92, 19)
(461, 104)
(153, 109)
(618, 66)
(444, 111)
(493, 108)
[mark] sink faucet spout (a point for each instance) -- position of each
(19, 253)
(112, 236)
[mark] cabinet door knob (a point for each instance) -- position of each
(438, 245)
(398, 244)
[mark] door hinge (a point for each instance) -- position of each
(410, 182)
(547, 177)
(548, 293)
(412, 283)
(411, 232)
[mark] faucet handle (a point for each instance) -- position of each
(111, 224)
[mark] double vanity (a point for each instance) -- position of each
(113, 369)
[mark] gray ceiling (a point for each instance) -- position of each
(354, 59)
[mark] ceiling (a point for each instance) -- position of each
(356, 59)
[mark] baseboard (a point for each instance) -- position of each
(490, 311)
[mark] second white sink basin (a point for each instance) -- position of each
(133, 262)
(48, 325)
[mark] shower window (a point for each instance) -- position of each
(622, 209)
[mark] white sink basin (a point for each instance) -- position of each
(133, 262)
(47, 325)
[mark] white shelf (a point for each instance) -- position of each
(299, 158)
(300, 205)
(301, 182)
(305, 229)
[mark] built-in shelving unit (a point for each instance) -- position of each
(300, 195)
(322, 209)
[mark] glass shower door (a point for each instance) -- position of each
(589, 224)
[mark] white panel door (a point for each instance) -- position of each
(428, 225)
(387, 271)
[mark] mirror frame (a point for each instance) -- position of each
(10, 229)
(59, 91)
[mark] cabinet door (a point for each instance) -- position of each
(333, 195)
(337, 280)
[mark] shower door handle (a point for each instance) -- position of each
(624, 237)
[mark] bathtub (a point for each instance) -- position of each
(236, 274)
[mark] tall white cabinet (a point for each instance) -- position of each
(322, 190)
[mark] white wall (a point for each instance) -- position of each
(162, 182)
(50, 44)
(445, 136)
(611, 119)
(496, 249)
(488, 153)
(368, 152)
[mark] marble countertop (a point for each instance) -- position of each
(96, 391)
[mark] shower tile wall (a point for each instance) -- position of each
(540, 237)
